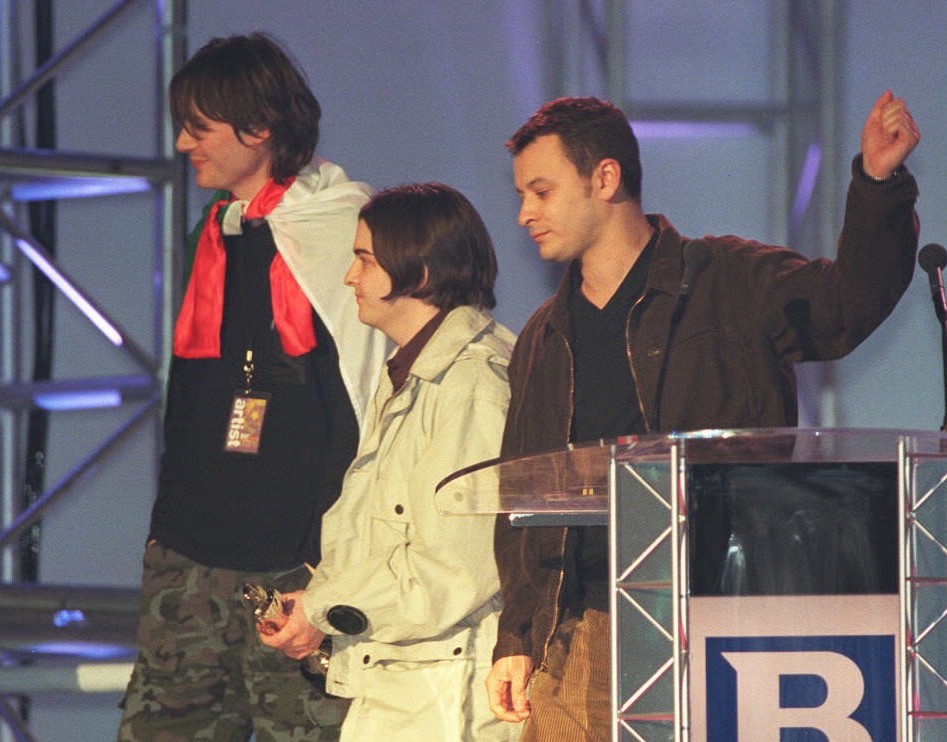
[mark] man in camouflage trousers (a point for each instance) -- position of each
(284, 704)
(269, 379)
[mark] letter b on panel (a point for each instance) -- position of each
(801, 689)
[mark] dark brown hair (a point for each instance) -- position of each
(590, 130)
(434, 227)
(250, 83)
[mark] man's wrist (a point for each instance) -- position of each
(882, 179)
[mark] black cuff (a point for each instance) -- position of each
(347, 620)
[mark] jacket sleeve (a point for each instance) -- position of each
(418, 572)
(519, 596)
(519, 592)
(823, 309)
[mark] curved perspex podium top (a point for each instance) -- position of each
(575, 479)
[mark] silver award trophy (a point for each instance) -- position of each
(271, 613)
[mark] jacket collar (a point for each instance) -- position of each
(461, 326)
(667, 264)
(664, 275)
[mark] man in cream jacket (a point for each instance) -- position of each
(409, 595)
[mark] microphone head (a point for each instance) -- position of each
(697, 255)
(931, 257)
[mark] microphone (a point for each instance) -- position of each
(696, 257)
(933, 258)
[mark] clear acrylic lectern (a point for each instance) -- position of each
(764, 583)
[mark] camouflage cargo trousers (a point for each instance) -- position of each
(202, 673)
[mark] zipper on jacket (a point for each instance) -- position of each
(544, 663)
(631, 367)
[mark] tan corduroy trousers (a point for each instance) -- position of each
(570, 699)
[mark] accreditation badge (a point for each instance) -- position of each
(245, 423)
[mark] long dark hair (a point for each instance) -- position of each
(250, 83)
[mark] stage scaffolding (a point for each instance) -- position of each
(33, 616)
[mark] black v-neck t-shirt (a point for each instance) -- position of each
(605, 404)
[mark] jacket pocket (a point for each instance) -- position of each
(390, 515)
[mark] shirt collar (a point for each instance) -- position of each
(399, 365)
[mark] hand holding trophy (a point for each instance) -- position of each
(270, 613)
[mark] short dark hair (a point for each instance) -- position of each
(250, 83)
(432, 226)
(590, 130)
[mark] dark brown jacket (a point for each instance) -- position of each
(753, 312)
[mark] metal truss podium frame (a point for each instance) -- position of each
(638, 486)
(923, 595)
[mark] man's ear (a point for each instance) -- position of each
(607, 178)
